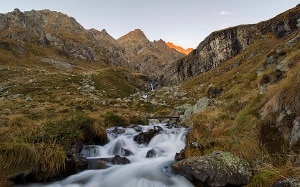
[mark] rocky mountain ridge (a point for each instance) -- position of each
(56, 31)
(145, 56)
(222, 45)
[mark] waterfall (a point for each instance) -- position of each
(149, 163)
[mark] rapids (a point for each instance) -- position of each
(142, 171)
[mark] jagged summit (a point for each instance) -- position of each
(136, 35)
(179, 48)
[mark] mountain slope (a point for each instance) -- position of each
(222, 45)
(145, 56)
(28, 32)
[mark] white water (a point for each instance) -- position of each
(142, 171)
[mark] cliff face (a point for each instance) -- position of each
(222, 45)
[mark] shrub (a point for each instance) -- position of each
(111, 119)
(76, 128)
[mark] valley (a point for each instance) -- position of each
(237, 92)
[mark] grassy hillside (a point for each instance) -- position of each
(49, 104)
(266, 72)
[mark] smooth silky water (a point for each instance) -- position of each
(142, 171)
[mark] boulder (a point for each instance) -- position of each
(126, 152)
(75, 163)
(215, 169)
(145, 137)
(154, 152)
(118, 160)
(98, 163)
(201, 105)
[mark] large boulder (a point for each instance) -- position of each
(215, 169)
(145, 137)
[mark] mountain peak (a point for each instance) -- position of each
(179, 49)
(136, 35)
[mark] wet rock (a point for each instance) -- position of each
(126, 152)
(158, 128)
(154, 152)
(136, 127)
(145, 137)
(98, 163)
(103, 163)
(215, 169)
(118, 160)
(117, 130)
(180, 156)
(75, 163)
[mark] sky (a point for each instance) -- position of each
(183, 22)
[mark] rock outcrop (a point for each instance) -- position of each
(215, 169)
(222, 45)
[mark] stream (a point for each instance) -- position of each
(145, 165)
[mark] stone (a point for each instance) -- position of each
(145, 137)
(295, 134)
(29, 99)
(118, 160)
(75, 163)
(290, 182)
(215, 169)
(154, 152)
(98, 163)
(126, 152)
(201, 105)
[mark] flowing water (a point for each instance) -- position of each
(149, 163)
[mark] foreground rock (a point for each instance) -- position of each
(215, 169)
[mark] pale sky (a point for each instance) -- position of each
(183, 22)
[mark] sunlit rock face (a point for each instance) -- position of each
(179, 48)
(223, 45)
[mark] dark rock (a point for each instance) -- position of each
(118, 160)
(158, 128)
(98, 163)
(180, 156)
(75, 163)
(145, 137)
(154, 152)
(215, 169)
(126, 152)
(103, 163)
(291, 182)
(118, 130)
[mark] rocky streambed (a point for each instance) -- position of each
(144, 156)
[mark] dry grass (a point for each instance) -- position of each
(17, 158)
(51, 160)
(235, 123)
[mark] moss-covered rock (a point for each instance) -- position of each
(215, 169)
